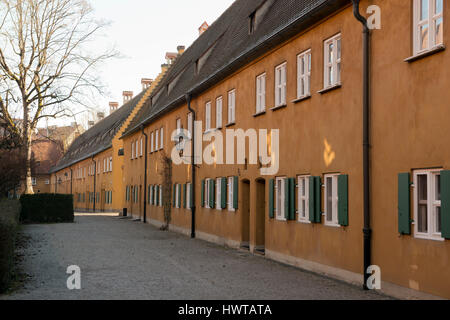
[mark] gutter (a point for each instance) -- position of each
(367, 232)
(95, 180)
(145, 175)
(188, 99)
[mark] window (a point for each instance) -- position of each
(427, 204)
(156, 140)
(110, 163)
(151, 142)
(261, 93)
(33, 181)
(332, 63)
(177, 196)
(304, 74)
(280, 85)
(219, 193)
(251, 21)
(160, 195)
(331, 200)
(104, 165)
(47, 181)
(136, 148)
(279, 198)
(219, 113)
(190, 123)
(188, 196)
(303, 198)
(178, 126)
(230, 193)
(231, 106)
(140, 154)
(207, 184)
(208, 116)
(161, 133)
(428, 25)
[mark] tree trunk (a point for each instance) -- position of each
(27, 149)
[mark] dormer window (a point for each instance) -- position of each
(251, 20)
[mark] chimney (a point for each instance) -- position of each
(164, 67)
(100, 116)
(203, 28)
(171, 57)
(127, 96)
(91, 124)
(113, 106)
(180, 50)
(146, 83)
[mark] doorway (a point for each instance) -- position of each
(260, 216)
(245, 196)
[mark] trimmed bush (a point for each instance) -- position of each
(46, 208)
(9, 216)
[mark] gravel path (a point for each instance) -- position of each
(121, 259)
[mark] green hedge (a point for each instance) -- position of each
(9, 216)
(46, 208)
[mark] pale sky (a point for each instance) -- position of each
(143, 31)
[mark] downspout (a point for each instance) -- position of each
(71, 181)
(145, 175)
(188, 99)
(367, 232)
(95, 180)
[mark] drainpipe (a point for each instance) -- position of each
(188, 99)
(367, 232)
(71, 181)
(145, 174)
(95, 180)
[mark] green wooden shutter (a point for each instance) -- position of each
(235, 192)
(157, 195)
(179, 195)
(445, 204)
(212, 193)
(223, 193)
(404, 219)
(311, 201)
(203, 193)
(174, 195)
(184, 195)
(271, 198)
(292, 199)
(343, 200)
(317, 199)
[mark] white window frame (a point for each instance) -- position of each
(432, 203)
(152, 141)
(161, 134)
(33, 181)
(261, 93)
(280, 84)
(110, 164)
(219, 112)
(141, 146)
(47, 182)
(208, 116)
(156, 140)
(132, 150)
(188, 195)
(430, 20)
(303, 197)
(104, 165)
(333, 62)
(334, 222)
(207, 182)
(177, 196)
(304, 74)
(232, 106)
(219, 193)
(230, 193)
(190, 123)
(280, 194)
(178, 126)
(137, 149)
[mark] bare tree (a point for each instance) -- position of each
(46, 63)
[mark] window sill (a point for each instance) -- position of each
(278, 107)
(332, 225)
(332, 88)
(425, 54)
(259, 114)
(302, 99)
(230, 124)
(428, 237)
(304, 221)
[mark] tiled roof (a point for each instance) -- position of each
(228, 45)
(99, 137)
